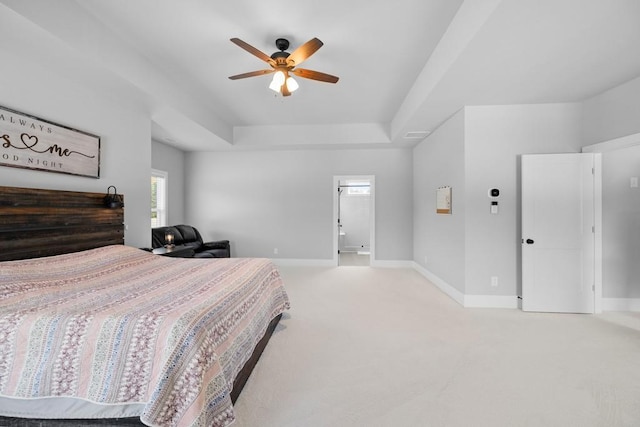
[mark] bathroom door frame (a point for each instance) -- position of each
(372, 214)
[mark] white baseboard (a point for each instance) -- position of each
(303, 262)
(468, 301)
(455, 294)
(621, 304)
(391, 263)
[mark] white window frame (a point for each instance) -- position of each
(162, 199)
(358, 188)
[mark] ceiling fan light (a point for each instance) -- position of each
(278, 78)
(274, 86)
(277, 81)
(292, 84)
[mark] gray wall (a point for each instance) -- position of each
(495, 139)
(613, 114)
(35, 86)
(440, 161)
(262, 200)
(171, 160)
(621, 224)
(477, 149)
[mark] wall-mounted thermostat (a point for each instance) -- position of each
(494, 192)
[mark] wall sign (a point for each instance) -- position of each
(443, 200)
(33, 143)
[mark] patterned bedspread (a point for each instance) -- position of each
(120, 325)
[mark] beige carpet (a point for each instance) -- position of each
(354, 259)
(383, 347)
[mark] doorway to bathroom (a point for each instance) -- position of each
(354, 219)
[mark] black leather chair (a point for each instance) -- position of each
(186, 235)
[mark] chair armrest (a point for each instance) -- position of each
(217, 244)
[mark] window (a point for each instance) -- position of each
(358, 188)
(158, 198)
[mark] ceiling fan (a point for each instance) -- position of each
(285, 63)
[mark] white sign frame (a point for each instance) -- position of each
(443, 200)
(30, 142)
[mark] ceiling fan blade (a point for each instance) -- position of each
(303, 52)
(252, 50)
(314, 75)
(251, 74)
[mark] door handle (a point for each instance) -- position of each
(529, 241)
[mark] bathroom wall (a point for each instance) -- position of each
(354, 217)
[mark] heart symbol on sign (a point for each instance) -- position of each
(28, 140)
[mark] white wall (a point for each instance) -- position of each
(608, 116)
(612, 114)
(35, 86)
(262, 200)
(621, 224)
(495, 138)
(354, 218)
(171, 160)
(477, 149)
(439, 161)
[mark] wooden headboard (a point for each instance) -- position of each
(37, 222)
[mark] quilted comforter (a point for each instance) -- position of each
(118, 325)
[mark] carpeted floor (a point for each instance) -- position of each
(21, 422)
(354, 258)
(371, 347)
(383, 347)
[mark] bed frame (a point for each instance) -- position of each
(36, 223)
(39, 222)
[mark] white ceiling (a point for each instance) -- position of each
(404, 66)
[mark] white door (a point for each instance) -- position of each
(558, 208)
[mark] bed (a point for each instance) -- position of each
(116, 333)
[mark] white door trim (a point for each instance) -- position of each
(597, 220)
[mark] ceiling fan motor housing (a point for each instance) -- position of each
(281, 57)
(282, 44)
(277, 55)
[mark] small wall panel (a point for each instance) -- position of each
(38, 222)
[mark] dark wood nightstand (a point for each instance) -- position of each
(175, 251)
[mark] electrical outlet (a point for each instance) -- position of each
(494, 281)
(275, 251)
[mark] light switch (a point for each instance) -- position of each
(633, 182)
(494, 208)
